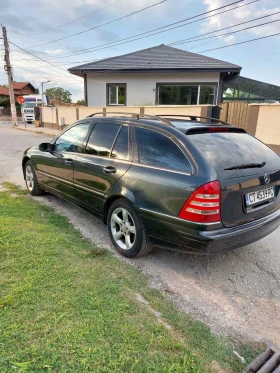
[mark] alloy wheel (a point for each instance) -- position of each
(29, 176)
(123, 228)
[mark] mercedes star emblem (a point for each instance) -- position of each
(266, 178)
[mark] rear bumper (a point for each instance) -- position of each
(177, 237)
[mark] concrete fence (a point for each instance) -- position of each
(51, 117)
(264, 123)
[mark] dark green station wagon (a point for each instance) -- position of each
(190, 184)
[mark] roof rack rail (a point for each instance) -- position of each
(135, 116)
(194, 118)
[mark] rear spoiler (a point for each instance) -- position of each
(216, 129)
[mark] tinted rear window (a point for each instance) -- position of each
(225, 150)
(159, 151)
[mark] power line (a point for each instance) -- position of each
(108, 45)
(233, 32)
(182, 41)
(198, 36)
(150, 31)
(242, 42)
(57, 67)
(69, 84)
(67, 23)
(227, 46)
(57, 63)
(104, 24)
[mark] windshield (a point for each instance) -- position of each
(29, 104)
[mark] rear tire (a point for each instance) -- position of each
(126, 230)
(31, 180)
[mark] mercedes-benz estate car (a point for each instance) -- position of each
(188, 184)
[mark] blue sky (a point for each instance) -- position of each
(28, 20)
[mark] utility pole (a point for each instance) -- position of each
(8, 69)
(42, 84)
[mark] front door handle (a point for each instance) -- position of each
(109, 169)
(68, 162)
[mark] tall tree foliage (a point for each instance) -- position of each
(59, 94)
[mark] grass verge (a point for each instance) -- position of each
(67, 306)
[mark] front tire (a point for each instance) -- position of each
(126, 230)
(31, 180)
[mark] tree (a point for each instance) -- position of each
(81, 102)
(59, 94)
(36, 91)
(229, 93)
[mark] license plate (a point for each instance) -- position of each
(259, 196)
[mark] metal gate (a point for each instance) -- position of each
(235, 113)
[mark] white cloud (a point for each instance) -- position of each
(54, 51)
(229, 39)
(242, 14)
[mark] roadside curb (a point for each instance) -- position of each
(42, 133)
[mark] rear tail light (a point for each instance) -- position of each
(204, 205)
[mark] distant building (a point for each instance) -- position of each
(20, 89)
(4, 91)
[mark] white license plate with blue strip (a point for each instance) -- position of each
(259, 196)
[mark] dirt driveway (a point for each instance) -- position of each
(237, 293)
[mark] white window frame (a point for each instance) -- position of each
(117, 85)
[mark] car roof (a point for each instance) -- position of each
(167, 122)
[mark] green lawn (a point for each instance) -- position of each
(69, 307)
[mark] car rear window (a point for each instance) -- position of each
(157, 150)
(227, 149)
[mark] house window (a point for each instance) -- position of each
(116, 94)
(181, 94)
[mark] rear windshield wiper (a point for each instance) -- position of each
(243, 166)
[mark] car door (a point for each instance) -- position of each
(106, 158)
(58, 165)
(161, 174)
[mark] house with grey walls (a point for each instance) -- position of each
(161, 75)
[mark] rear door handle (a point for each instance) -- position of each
(68, 162)
(109, 169)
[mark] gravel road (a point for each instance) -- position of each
(236, 294)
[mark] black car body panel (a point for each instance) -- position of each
(158, 193)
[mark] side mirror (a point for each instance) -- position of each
(46, 147)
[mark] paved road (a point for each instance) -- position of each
(236, 293)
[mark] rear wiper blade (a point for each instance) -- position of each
(247, 165)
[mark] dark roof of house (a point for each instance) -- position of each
(159, 58)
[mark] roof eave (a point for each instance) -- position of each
(79, 72)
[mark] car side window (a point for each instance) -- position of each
(120, 149)
(72, 140)
(102, 138)
(159, 151)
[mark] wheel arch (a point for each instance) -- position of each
(24, 161)
(112, 199)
